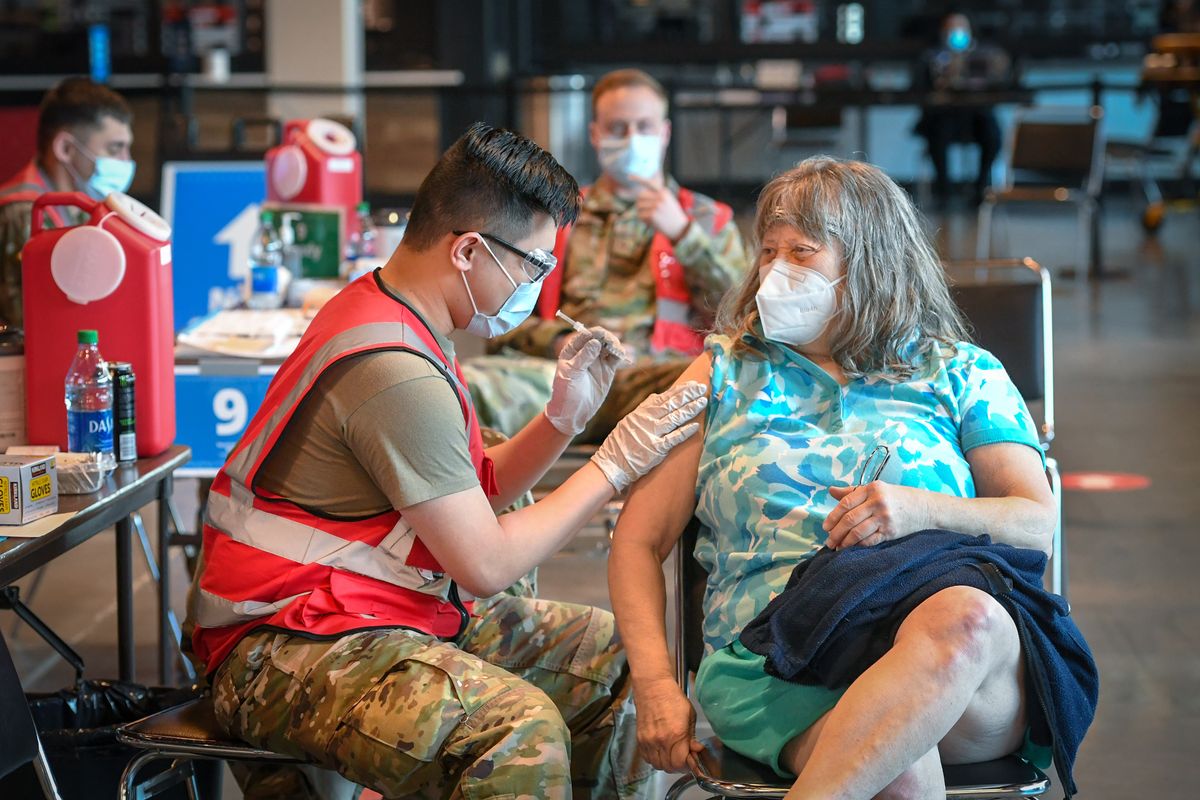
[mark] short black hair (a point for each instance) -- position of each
(490, 180)
(77, 103)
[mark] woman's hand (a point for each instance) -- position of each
(666, 725)
(867, 515)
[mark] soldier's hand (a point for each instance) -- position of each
(659, 208)
(584, 373)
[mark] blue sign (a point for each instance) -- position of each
(211, 413)
(212, 207)
(99, 53)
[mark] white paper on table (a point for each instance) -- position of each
(246, 333)
(39, 527)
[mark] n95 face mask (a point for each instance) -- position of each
(795, 303)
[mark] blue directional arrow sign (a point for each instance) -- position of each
(212, 207)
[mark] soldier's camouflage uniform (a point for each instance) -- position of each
(532, 701)
(607, 280)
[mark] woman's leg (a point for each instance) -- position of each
(952, 681)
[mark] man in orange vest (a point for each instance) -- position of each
(350, 606)
(647, 259)
(83, 142)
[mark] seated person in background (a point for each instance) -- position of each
(959, 64)
(83, 142)
(647, 259)
(843, 339)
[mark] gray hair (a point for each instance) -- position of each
(895, 306)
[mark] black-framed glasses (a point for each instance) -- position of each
(536, 263)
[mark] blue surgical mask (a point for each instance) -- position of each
(639, 154)
(109, 175)
(515, 309)
(958, 39)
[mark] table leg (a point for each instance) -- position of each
(125, 650)
(166, 637)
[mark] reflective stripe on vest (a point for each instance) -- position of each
(293, 551)
(25, 187)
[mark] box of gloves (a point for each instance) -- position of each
(28, 488)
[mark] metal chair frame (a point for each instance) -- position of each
(182, 750)
(984, 273)
(1085, 195)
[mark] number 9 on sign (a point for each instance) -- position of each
(231, 410)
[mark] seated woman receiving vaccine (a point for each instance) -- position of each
(842, 361)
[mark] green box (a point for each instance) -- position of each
(320, 237)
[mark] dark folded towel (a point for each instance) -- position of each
(840, 610)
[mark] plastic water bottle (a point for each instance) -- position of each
(268, 278)
(362, 249)
(367, 235)
(89, 399)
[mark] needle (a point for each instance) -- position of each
(579, 326)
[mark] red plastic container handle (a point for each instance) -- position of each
(77, 199)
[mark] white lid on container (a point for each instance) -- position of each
(139, 216)
(289, 171)
(333, 138)
(87, 264)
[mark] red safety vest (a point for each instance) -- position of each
(25, 187)
(269, 562)
(672, 300)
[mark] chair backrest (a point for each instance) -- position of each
(18, 736)
(1007, 303)
(1059, 146)
(690, 580)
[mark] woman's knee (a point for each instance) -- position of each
(965, 626)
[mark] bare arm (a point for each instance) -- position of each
(654, 516)
(485, 553)
(1013, 505)
(523, 460)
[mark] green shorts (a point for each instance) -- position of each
(744, 704)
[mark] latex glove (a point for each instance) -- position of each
(643, 439)
(582, 379)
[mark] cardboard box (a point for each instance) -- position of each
(28, 488)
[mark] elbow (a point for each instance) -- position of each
(1046, 526)
(482, 581)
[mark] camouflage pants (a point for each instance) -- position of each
(532, 701)
(509, 391)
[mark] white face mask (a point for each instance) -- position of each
(639, 154)
(795, 303)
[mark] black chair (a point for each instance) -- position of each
(1055, 156)
(184, 734)
(1008, 304)
(724, 773)
(19, 741)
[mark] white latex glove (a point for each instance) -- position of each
(643, 439)
(582, 378)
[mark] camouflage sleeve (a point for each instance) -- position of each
(14, 231)
(535, 336)
(712, 262)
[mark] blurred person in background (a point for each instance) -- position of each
(83, 145)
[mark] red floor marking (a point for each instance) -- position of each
(1103, 481)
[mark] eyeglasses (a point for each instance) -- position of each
(536, 263)
(873, 465)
